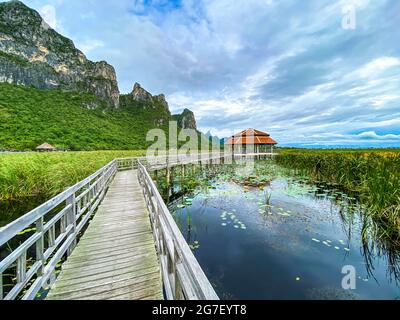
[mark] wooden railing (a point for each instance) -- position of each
(127, 163)
(161, 162)
(182, 275)
(55, 225)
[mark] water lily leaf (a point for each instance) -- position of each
(26, 231)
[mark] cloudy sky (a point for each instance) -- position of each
(314, 72)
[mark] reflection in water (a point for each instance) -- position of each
(270, 235)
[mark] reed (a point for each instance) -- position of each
(374, 175)
(46, 174)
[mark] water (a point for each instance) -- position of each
(285, 240)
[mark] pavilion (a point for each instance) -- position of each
(252, 140)
(45, 147)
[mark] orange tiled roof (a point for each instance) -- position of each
(252, 136)
(251, 132)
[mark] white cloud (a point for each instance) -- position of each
(282, 66)
(378, 65)
(374, 135)
(49, 15)
(89, 45)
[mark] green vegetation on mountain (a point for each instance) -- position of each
(33, 54)
(29, 117)
(50, 92)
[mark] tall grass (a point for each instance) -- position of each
(374, 175)
(46, 174)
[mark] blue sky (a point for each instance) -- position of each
(289, 67)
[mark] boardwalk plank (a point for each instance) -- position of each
(107, 290)
(116, 257)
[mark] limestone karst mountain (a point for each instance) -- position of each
(50, 91)
(33, 54)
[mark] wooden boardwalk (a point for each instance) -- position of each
(116, 257)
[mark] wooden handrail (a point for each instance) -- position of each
(59, 221)
(75, 206)
(183, 277)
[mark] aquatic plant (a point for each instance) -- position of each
(366, 188)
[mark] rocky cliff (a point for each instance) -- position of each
(33, 54)
(36, 57)
(186, 119)
(140, 99)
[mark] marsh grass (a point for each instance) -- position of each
(28, 175)
(373, 175)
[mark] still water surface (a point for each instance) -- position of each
(285, 240)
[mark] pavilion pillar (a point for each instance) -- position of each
(183, 169)
(156, 175)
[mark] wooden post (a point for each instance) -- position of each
(1, 286)
(177, 285)
(183, 171)
(21, 268)
(72, 221)
(168, 175)
(40, 246)
(193, 168)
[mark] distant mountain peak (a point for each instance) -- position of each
(140, 94)
(186, 119)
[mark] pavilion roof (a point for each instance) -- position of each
(45, 146)
(250, 137)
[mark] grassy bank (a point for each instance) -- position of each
(373, 174)
(46, 174)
